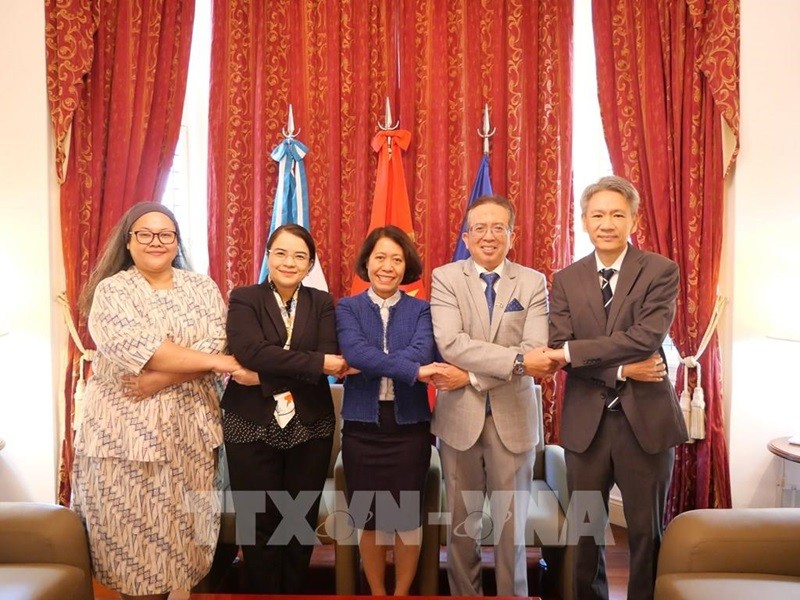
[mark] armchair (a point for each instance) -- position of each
(730, 553)
(44, 553)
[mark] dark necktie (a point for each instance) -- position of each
(612, 402)
(490, 279)
(605, 287)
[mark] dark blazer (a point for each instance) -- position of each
(256, 336)
(641, 313)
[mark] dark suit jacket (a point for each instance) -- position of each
(638, 322)
(256, 336)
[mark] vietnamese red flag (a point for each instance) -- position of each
(390, 204)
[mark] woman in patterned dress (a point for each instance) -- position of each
(386, 337)
(279, 428)
(145, 449)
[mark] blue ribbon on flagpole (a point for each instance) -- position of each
(286, 208)
(481, 187)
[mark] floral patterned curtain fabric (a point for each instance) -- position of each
(70, 28)
(438, 61)
(668, 78)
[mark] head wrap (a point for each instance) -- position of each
(147, 207)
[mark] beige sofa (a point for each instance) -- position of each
(44, 553)
(732, 554)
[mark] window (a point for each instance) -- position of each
(186, 190)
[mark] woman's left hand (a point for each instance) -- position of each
(144, 385)
(245, 376)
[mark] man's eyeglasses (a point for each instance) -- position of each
(480, 230)
(145, 237)
(281, 256)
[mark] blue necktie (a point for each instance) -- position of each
(490, 279)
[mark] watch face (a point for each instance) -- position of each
(519, 369)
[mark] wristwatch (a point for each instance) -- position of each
(519, 365)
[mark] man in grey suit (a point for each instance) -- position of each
(490, 324)
(610, 312)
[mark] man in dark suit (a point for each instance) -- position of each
(609, 314)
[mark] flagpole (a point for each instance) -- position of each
(387, 123)
(488, 131)
(482, 185)
(289, 133)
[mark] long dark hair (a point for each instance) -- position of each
(116, 257)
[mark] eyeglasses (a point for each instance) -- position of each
(497, 229)
(145, 237)
(281, 256)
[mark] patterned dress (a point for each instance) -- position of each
(143, 473)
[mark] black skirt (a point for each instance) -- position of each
(385, 466)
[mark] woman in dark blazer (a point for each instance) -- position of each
(279, 429)
(387, 338)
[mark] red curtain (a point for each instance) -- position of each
(116, 81)
(438, 61)
(668, 85)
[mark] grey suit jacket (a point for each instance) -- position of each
(641, 313)
(466, 339)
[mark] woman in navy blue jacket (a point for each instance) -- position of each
(386, 337)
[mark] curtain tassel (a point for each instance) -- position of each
(686, 408)
(696, 420)
(697, 431)
(697, 428)
(86, 356)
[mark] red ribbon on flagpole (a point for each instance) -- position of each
(390, 205)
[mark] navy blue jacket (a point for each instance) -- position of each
(410, 344)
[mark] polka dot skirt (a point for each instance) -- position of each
(237, 430)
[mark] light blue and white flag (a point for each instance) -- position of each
(481, 187)
(291, 201)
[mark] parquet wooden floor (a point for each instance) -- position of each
(321, 576)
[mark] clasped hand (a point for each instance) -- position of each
(147, 383)
(443, 376)
(335, 365)
(543, 361)
(651, 369)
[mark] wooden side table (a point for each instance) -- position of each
(781, 448)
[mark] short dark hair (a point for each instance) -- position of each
(401, 238)
(297, 231)
(499, 201)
